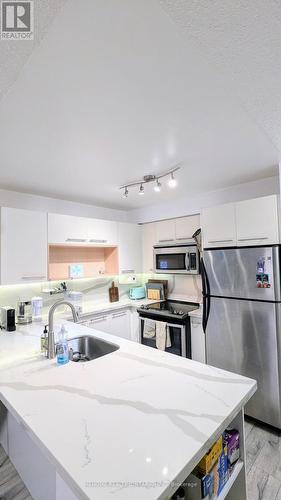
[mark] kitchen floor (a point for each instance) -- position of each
(263, 446)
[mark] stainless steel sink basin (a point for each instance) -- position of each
(86, 348)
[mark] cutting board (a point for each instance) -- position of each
(153, 294)
(161, 282)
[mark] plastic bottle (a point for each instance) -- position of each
(62, 347)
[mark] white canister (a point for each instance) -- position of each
(37, 306)
(76, 298)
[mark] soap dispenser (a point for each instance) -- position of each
(62, 347)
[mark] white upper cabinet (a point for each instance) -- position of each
(130, 248)
(165, 231)
(185, 227)
(176, 230)
(257, 221)
(249, 222)
(63, 229)
(23, 246)
(219, 226)
(102, 232)
(148, 241)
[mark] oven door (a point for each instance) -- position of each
(176, 260)
(177, 335)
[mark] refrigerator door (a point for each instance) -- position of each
(251, 273)
(243, 337)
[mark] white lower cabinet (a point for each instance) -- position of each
(113, 322)
(120, 324)
(198, 340)
(36, 471)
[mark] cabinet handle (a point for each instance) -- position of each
(119, 315)
(76, 240)
(253, 239)
(163, 241)
(221, 241)
(97, 241)
(126, 271)
(34, 278)
(97, 320)
(184, 238)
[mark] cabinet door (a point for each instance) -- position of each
(148, 241)
(101, 322)
(219, 226)
(198, 346)
(257, 221)
(67, 229)
(186, 227)
(166, 231)
(120, 324)
(130, 248)
(102, 232)
(23, 246)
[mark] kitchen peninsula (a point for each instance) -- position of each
(130, 424)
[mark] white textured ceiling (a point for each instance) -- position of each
(14, 54)
(242, 40)
(116, 90)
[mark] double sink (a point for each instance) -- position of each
(86, 348)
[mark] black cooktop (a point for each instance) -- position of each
(169, 308)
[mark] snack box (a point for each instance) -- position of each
(208, 486)
(210, 458)
(232, 442)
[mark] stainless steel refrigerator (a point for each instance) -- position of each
(242, 320)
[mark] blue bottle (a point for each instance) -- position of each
(62, 347)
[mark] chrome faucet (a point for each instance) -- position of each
(51, 352)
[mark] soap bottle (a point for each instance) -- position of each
(113, 293)
(62, 347)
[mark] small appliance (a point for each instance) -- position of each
(179, 259)
(137, 292)
(8, 319)
(24, 312)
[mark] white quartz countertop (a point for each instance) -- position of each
(131, 424)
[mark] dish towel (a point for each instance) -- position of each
(163, 339)
(149, 329)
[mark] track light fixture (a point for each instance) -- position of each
(126, 192)
(157, 187)
(172, 182)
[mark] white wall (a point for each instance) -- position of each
(193, 205)
(41, 203)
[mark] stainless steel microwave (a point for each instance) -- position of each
(179, 259)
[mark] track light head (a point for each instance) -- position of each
(172, 182)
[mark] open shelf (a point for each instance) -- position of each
(237, 468)
(96, 260)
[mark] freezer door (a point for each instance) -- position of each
(242, 337)
(243, 272)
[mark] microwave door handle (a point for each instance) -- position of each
(187, 261)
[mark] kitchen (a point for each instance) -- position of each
(139, 253)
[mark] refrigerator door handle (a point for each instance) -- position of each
(206, 311)
(205, 280)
